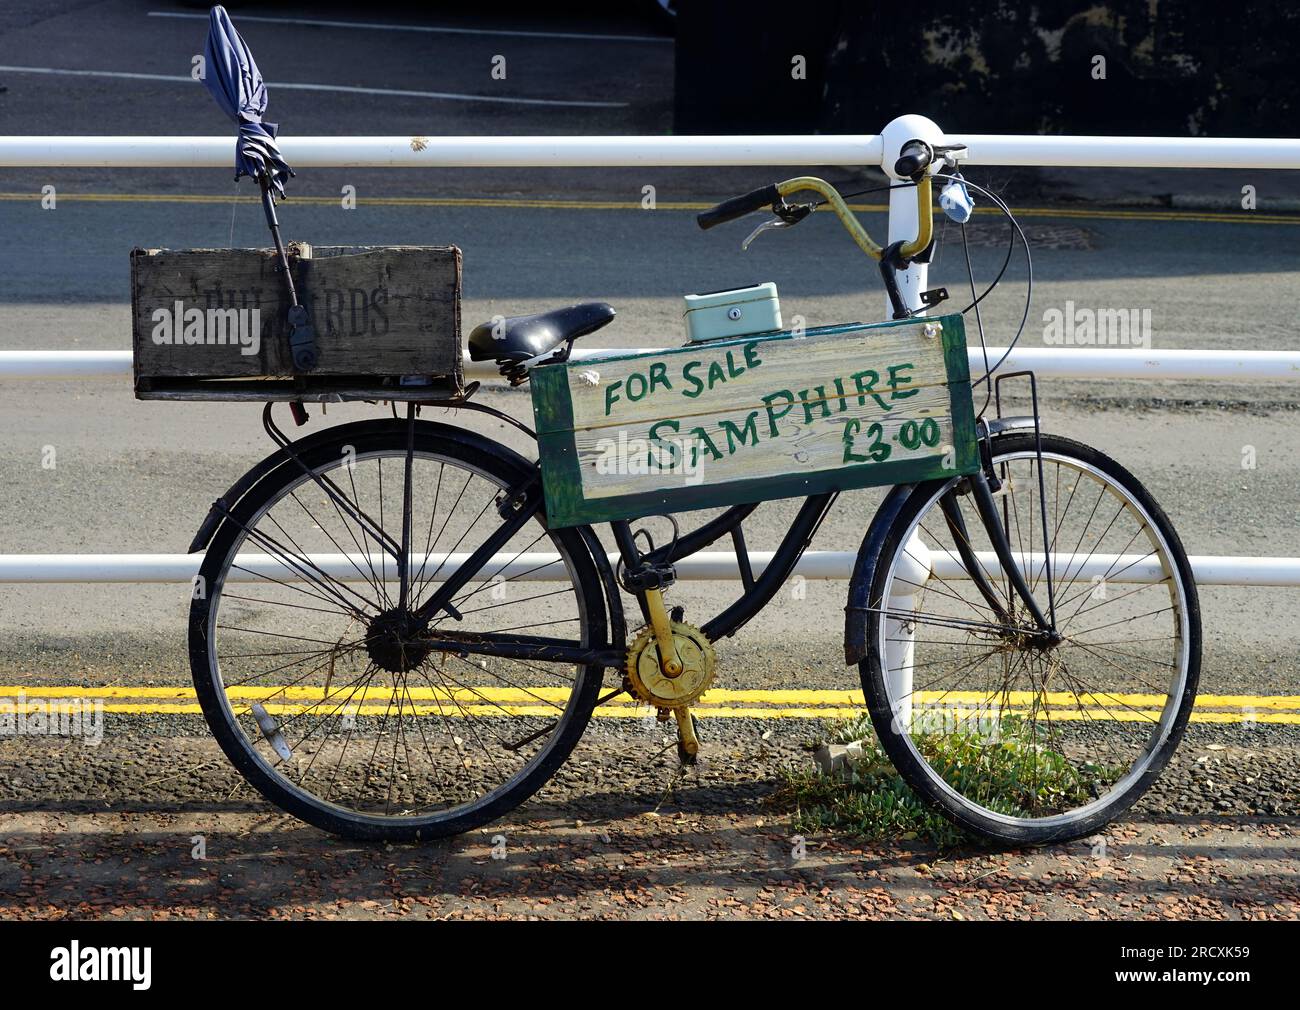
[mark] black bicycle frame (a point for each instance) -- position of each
(758, 592)
(520, 504)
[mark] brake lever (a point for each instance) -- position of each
(774, 222)
(787, 215)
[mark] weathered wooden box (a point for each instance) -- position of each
(754, 418)
(212, 324)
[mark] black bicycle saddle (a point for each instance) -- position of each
(518, 338)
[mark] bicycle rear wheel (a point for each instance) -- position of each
(321, 696)
(1015, 739)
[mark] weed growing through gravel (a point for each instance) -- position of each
(871, 799)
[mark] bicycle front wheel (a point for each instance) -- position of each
(319, 685)
(1015, 738)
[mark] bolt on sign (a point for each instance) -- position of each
(212, 324)
(754, 418)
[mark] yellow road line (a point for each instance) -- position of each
(811, 697)
(721, 703)
(645, 712)
(509, 203)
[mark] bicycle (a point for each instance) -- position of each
(1024, 624)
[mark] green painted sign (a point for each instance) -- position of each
(754, 418)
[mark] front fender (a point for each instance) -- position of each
(864, 567)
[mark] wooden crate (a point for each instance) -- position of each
(754, 418)
(211, 324)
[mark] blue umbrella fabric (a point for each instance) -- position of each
(235, 82)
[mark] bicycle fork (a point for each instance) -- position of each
(994, 525)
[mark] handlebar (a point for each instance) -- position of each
(916, 156)
(739, 206)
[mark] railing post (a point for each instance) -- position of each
(900, 646)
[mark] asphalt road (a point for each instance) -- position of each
(139, 476)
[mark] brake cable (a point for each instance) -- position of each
(1029, 281)
(1016, 229)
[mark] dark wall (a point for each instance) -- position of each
(1174, 67)
(733, 66)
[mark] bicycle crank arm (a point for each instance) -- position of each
(686, 738)
(669, 661)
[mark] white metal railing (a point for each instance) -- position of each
(597, 152)
(539, 566)
(1047, 362)
(624, 152)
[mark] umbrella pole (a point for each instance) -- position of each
(272, 222)
(302, 336)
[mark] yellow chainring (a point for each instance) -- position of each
(649, 682)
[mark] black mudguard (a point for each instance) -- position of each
(864, 569)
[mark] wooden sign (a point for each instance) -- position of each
(380, 313)
(754, 418)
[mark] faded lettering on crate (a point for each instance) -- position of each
(378, 312)
(754, 418)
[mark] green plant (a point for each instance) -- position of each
(1009, 771)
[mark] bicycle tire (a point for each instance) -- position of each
(906, 758)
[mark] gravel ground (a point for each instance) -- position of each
(148, 762)
(111, 831)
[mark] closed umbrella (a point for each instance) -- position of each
(235, 82)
